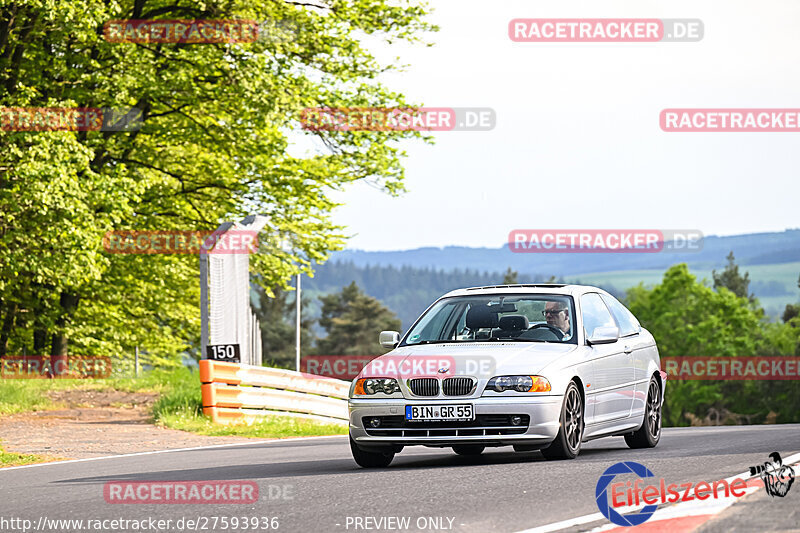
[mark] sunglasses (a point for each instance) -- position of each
(552, 312)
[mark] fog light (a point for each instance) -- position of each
(375, 422)
(516, 420)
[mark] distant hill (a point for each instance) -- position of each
(407, 291)
(750, 249)
(408, 281)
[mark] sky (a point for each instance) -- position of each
(577, 144)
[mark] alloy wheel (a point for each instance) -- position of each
(653, 411)
(573, 420)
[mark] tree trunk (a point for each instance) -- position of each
(8, 322)
(58, 349)
(39, 340)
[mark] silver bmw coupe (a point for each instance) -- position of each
(537, 367)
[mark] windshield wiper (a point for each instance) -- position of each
(433, 342)
(517, 339)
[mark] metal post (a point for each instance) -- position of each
(137, 362)
(297, 343)
(203, 303)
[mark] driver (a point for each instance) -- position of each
(557, 315)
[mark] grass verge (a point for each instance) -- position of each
(22, 395)
(178, 407)
(17, 459)
(271, 427)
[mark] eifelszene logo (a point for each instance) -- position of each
(601, 494)
(630, 494)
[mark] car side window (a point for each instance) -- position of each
(595, 313)
(628, 325)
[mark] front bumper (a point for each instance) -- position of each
(543, 413)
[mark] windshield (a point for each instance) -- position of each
(524, 318)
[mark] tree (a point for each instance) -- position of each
(510, 277)
(792, 311)
(277, 317)
(353, 321)
(689, 319)
(732, 280)
(218, 120)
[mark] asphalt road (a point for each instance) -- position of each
(498, 491)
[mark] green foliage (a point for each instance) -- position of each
(20, 395)
(182, 395)
(17, 459)
(269, 427)
(353, 321)
(688, 318)
(220, 140)
(791, 312)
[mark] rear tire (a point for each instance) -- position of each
(649, 434)
(469, 449)
(567, 444)
(367, 459)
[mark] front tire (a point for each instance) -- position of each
(367, 459)
(567, 444)
(469, 449)
(649, 434)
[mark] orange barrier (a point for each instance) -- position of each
(234, 393)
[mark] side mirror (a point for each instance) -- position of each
(604, 335)
(389, 339)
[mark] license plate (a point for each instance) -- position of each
(434, 413)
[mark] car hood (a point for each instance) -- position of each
(479, 359)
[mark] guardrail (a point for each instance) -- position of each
(234, 393)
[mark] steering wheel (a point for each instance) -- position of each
(558, 333)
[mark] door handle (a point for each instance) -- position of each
(628, 349)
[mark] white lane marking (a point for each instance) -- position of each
(249, 443)
(589, 518)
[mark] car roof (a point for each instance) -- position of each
(526, 288)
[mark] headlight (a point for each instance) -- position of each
(518, 383)
(369, 386)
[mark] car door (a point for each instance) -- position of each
(640, 347)
(612, 367)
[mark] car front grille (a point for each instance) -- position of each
(424, 386)
(483, 425)
(457, 386)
